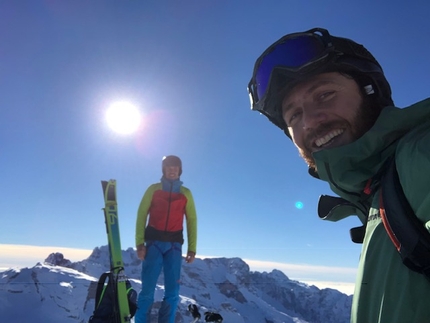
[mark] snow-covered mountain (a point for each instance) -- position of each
(61, 291)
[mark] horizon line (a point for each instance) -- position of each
(340, 278)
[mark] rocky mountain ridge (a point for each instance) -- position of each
(63, 291)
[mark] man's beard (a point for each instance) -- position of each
(362, 122)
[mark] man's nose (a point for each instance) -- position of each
(313, 116)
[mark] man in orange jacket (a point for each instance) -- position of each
(159, 239)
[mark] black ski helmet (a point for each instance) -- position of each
(341, 55)
(171, 160)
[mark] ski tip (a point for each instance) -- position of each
(104, 185)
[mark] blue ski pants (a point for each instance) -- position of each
(166, 256)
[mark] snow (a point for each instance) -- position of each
(65, 293)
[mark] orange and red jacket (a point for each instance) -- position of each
(161, 216)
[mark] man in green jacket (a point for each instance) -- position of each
(330, 96)
(159, 239)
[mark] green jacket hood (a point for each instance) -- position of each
(348, 168)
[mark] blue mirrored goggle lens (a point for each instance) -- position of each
(292, 53)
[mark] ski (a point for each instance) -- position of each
(116, 262)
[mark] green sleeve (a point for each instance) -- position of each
(142, 214)
(191, 217)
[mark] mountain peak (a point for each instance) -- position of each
(60, 290)
(57, 259)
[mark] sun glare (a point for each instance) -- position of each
(123, 117)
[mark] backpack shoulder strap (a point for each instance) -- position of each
(101, 287)
(405, 230)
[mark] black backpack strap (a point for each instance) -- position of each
(406, 231)
(101, 287)
(334, 208)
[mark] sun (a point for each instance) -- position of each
(123, 117)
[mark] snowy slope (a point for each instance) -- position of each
(62, 291)
(44, 293)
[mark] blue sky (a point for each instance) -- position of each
(185, 65)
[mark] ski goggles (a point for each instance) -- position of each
(291, 53)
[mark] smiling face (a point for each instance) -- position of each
(326, 111)
(171, 172)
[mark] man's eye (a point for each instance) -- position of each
(326, 95)
(292, 117)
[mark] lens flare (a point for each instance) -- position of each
(299, 205)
